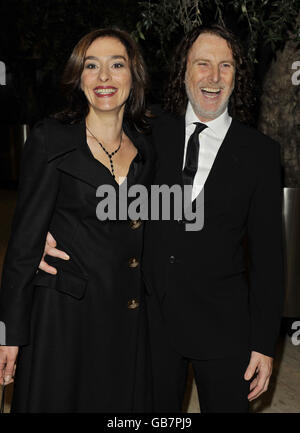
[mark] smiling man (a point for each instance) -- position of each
(204, 307)
(209, 76)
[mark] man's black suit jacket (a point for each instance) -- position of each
(216, 301)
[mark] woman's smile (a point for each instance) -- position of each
(105, 91)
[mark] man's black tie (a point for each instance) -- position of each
(192, 153)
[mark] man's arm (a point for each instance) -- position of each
(264, 230)
(51, 250)
(266, 268)
(262, 366)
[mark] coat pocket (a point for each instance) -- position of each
(64, 281)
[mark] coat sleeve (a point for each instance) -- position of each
(38, 188)
(265, 252)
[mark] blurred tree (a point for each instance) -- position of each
(280, 108)
(257, 21)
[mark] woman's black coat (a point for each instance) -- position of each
(82, 331)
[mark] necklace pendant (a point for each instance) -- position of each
(110, 155)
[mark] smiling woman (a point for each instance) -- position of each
(106, 77)
(80, 332)
(81, 60)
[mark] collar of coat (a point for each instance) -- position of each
(66, 144)
(64, 138)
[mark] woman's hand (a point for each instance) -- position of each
(8, 356)
(50, 250)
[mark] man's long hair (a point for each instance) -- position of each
(242, 100)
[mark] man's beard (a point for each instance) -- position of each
(207, 114)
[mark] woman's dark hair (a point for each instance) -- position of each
(242, 99)
(77, 107)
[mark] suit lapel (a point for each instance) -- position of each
(169, 137)
(227, 159)
(179, 143)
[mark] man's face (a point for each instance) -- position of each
(209, 76)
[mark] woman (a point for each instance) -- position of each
(82, 332)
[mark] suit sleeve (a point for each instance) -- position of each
(265, 251)
(38, 188)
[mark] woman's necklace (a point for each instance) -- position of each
(110, 155)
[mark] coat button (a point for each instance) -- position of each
(135, 224)
(133, 262)
(133, 304)
(172, 259)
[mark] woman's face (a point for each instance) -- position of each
(106, 76)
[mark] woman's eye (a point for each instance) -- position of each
(118, 65)
(226, 65)
(202, 64)
(90, 66)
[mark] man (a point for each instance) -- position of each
(202, 307)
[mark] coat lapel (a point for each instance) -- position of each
(68, 143)
(145, 148)
(79, 163)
